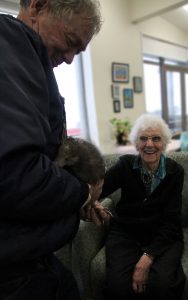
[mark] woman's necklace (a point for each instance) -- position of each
(147, 178)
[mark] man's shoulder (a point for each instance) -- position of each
(11, 32)
(14, 30)
(8, 22)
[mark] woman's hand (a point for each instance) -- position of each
(95, 213)
(141, 273)
(101, 213)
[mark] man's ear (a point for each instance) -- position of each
(41, 4)
(36, 6)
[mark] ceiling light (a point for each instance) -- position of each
(185, 7)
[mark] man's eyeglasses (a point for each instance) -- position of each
(155, 139)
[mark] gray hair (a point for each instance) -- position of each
(148, 121)
(90, 10)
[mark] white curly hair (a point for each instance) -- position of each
(148, 121)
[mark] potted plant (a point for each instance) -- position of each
(122, 128)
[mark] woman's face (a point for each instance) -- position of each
(150, 147)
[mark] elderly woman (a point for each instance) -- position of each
(145, 242)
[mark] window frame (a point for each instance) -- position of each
(172, 66)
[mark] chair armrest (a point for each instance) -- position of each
(64, 254)
(87, 243)
(108, 203)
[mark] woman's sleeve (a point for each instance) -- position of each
(113, 179)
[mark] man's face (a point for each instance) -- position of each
(63, 40)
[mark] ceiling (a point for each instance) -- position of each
(178, 17)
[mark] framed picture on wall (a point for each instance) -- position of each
(128, 98)
(137, 84)
(115, 91)
(120, 72)
(116, 106)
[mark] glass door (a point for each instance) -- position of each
(166, 92)
(152, 89)
(186, 101)
(174, 100)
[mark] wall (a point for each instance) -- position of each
(159, 28)
(118, 41)
(144, 9)
(121, 41)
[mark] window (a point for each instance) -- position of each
(70, 82)
(186, 97)
(174, 104)
(166, 91)
(152, 88)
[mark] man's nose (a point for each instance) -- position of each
(68, 57)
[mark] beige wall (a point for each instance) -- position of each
(145, 9)
(121, 41)
(118, 41)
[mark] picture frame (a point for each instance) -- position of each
(120, 72)
(137, 84)
(115, 91)
(116, 106)
(128, 98)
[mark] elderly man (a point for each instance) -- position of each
(40, 202)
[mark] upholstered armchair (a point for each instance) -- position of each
(88, 250)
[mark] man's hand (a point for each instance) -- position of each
(95, 191)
